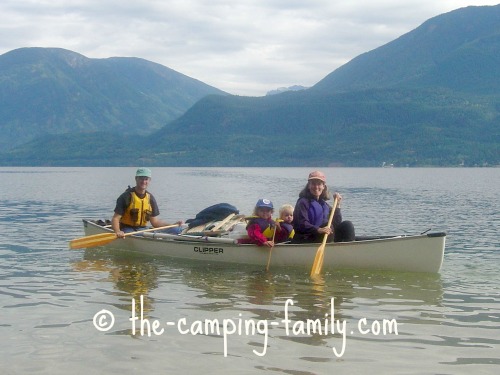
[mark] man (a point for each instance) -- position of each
(136, 207)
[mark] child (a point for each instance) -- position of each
(261, 226)
(284, 224)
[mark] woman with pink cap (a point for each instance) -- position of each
(312, 212)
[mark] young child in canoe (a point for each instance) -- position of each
(261, 226)
(284, 227)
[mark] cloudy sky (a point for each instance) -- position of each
(244, 47)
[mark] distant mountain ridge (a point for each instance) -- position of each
(56, 91)
(280, 90)
(430, 97)
(442, 51)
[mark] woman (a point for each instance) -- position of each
(311, 214)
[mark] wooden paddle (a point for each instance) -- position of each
(102, 239)
(219, 225)
(270, 250)
(320, 253)
(217, 229)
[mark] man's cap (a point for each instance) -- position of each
(143, 172)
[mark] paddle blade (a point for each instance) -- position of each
(92, 241)
(318, 260)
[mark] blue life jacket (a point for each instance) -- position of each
(288, 227)
(318, 212)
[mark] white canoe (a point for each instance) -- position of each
(407, 253)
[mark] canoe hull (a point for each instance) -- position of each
(419, 253)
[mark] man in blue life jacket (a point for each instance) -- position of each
(136, 207)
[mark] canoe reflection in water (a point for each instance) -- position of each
(214, 292)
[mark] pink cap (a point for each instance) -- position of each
(317, 175)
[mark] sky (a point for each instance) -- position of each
(244, 47)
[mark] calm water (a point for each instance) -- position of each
(49, 295)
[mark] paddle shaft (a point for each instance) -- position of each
(320, 253)
(271, 250)
(151, 229)
(102, 239)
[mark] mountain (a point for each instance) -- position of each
(430, 97)
(280, 90)
(47, 91)
(457, 50)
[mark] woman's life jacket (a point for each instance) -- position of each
(318, 212)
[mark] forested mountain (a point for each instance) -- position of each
(459, 50)
(430, 97)
(47, 91)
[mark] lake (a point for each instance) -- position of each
(54, 301)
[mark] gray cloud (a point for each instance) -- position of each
(245, 47)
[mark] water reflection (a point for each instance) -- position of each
(131, 277)
(338, 296)
(263, 294)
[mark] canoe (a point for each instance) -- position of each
(406, 253)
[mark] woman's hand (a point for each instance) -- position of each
(338, 197)
(325, 230)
